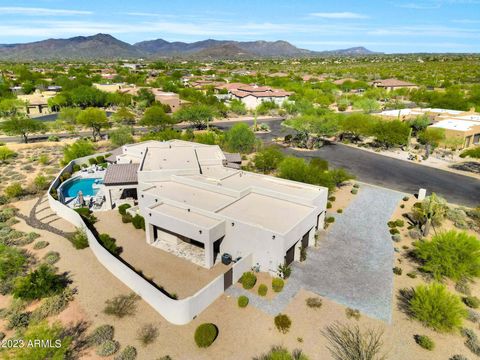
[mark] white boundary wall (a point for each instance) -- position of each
(178, 312)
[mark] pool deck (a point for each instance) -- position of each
(96, 174)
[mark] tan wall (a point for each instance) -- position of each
(173, 102)
(467, 136)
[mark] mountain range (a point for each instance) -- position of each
(104, 46)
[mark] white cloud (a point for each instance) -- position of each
(339, 15)
(419, 6)
(32, 11)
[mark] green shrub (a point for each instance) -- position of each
(100, 334)
(129, 353)
(262, 290)
(76, 168)
(87, 215)
(65, 176)
(100, 159)
(109, 243)
(471, 301)
(277, 284)
(339, 211)
(437, 308)
(394, 231)
(147, 334)
(108, 348)
(282, 323)
(397, 237)
(127, 218)
(412, 274)
(314, 302)
(397, 270)
(122, 209)
(248, 280)
(205, 335)
(458, 357)
(53, 305)
(79, 239)
(415, 234)
(402, 206)
(121, 305)
(18, 321)
(138, 222)
(424, 341)
(352, 313)
(284, 271)
(329, 205)
(332, 198)
(51, 257)
(472, 341)
(399, 223)
(40, 245)
(14, 190)
(463, 286)
(354, 191)
(406, 198)
(92, 161)
(330, 220)
(39, 283)
(356, 186)
(451, 254)
(242, 301)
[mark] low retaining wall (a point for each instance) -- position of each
(177, 312)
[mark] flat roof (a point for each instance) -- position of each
(162, 158)
(188, 216)
(190, 195)
(454, 124)
(268, 212)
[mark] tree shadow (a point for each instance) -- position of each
(77, 331)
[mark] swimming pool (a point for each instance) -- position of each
(71, 188)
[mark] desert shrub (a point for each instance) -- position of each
(18, 321)
(354, 191)
(424, 341)
(127, 218)
(314, 302)
(284, 271)
(329, 205)
(280, 353)
(138, 222)
(415, 234)
(471, 301)
(65, 176)
(108, 348)
(2, 335)
(412, 274)
(348, 342)
(109, 243)
(451, 254)
(87, 215)
(100, 159)
(405, 198)
(242, 301)
(3, 200)
(13, 262)
(399, 223)
(437, 308)
(356, 186)
(6, 214)
(278, 284)
(457, 357)
(40, 245)
(248, 280)
(339, 211)
(147, 334)
(397, 270)
(332, 198)
(121, 305)
(92, 161)
(473, 316)
(53, 305)
(100, 334)
(394, 231)
(76, 168)
(122, 209)
(13, 190)
(282, 323)
(262, 290)
(402, 206)
(205, 335)
(330, 220)
(463, 286)
(79, 239)
(472, 341)
(397, 237)
(51, 257)
(39, 283)
(352, 313)
(129, 353)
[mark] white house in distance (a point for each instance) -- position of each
(254, 95)
(189, 195)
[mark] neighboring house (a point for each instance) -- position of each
(342, 81)
(36, 103)
(393, 84)
(168, 98)
(254, 95)
(466, 128)
(190, 198)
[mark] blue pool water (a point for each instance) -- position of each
(72, 188)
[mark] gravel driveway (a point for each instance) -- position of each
(353, 264)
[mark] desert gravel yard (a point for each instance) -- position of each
(354, 260)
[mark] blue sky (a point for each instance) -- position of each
(388, 26)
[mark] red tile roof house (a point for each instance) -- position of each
(254, 95)
(393, 84)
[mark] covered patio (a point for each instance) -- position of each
(121, 182)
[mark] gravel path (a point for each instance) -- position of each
(353, 264)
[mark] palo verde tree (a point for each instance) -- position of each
(21, 125)
(93, 118)
(198, 115)
(156, 118)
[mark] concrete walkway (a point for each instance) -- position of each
(353, 264)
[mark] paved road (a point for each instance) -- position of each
(353, 263)
(388, 172)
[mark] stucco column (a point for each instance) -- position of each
(311, 237)
(298, 249)
(149, 232)
(209, 254)
(108, 198)
(321, 221)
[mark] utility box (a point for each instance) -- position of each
(421, 194)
